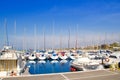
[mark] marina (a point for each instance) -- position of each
(29, 63)
(59, 40)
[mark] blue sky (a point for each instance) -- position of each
(90, 18)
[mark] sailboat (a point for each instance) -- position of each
(43, 55)
(63, 56)
(33, 56)
(71, 55)
(9, 62)
(54, 56)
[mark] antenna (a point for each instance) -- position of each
(6, 33)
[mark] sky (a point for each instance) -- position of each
(88, 21)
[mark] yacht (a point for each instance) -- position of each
(113, 58)
(9, 62)
(84, 63)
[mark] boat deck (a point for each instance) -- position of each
(87, 75)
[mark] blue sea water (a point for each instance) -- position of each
(45, 67)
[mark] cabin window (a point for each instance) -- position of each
(111, 56)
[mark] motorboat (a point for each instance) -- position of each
(84, 63)
(113, 58)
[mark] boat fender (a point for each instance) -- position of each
(107, 59)
(72, 69)
(13, 73)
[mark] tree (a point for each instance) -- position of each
(104, 46)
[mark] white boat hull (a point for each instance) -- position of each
(54, 57)
(63, 57)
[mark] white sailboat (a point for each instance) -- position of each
(71, 55)
(54, 56)
(32, 57)
(26, 55)
(42, 56)
(63, 56)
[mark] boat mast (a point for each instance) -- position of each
(15, 32)
(24, 39)
(35, 36)
(69, 38)
(61, 41)
(100, 43)
(44, 39)
(53, 37)
(104, 38)
(6, 34)
(76, 43)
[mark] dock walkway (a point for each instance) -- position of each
(87, 75)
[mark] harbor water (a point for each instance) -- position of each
(48, 66)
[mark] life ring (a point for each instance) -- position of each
(107, 59)
(72, 69)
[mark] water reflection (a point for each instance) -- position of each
(45, 67)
